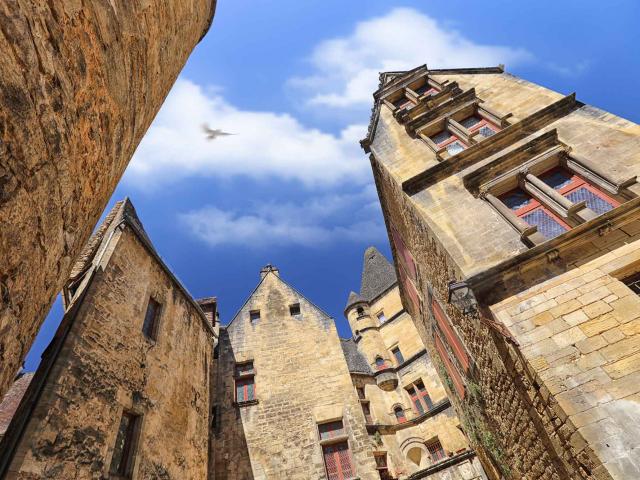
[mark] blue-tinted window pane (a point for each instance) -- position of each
(240, 392)
(486, 131)
(547, 225)
(455, 147)
(250, 395)
(441, 137)
(594, 202)
(516, 199)
(557, 178)
(470, 121)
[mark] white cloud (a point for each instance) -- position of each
(265, 144)
(347, 68)
(320, 221)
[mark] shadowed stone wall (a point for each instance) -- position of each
(81, 82)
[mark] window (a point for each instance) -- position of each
(436, 451)
(254, 316)
(245, 382)
(476, 123)
(337, 461)
(399, 413)
(420, 397)
(446, 139)
(575, 189)
(534, 213)
(633, 283)
(361, 394)
(124, 450)
(331, 430)
(381, 465)
(380, 363)
(360, 311)
(381, 318)
(402, 102)
(294, 310)
(426, 89)
(150, 325)
(397, 355)
(367, 413)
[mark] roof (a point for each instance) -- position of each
(390, 81)
(378, 275)
(353, 299)
(355, 360)
(12, 399)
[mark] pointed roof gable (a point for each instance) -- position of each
(378, 275)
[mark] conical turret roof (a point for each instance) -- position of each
(378, 275)
(353, 299)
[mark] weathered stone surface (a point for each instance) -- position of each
(81, 82)
(106, 365)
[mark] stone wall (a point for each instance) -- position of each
(301, 380)
(81, 82)
(106, 366)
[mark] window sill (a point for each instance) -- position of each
(247, 403)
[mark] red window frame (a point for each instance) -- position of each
(381, 363)
(534, 205)
(436, 451)
(577, 182)
(420, 398)
(451, 336)
(402, 102)
(452, 139)
(331, 430)
(456, 378)
(244, 383)
(430, 90)
(398, 411)
(337, 461)
(482, 123)
(397, 354)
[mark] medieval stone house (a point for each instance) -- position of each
(513, 214)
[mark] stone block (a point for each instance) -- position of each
(596, 309)
(598, 325)
(624, 367)
(575, 318)
(569, 337)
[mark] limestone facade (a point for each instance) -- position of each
(410, 417)
(111, 360)
(513, 216)
(81, 83)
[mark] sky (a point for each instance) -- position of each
(293, 81)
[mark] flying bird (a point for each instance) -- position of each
(212, 134)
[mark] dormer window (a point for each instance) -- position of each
(426, 89)
(533, 213)
(402, 102)
(476, 123)
(446, 139)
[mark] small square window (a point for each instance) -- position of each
(294, 310)
(398, 355)
(254, 316)
(381, 317)
(150, 325)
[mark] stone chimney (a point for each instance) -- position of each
(209, 306)
(269, 268)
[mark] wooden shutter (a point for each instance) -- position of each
(450, 335)
(403, 253)
(456, 378)
(337, 460)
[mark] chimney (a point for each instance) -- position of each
(269, 268)
(209, 306)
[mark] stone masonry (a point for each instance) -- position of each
(101, 364)
(81, 83)
(539, 352)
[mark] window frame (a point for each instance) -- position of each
(529, 177)
(422, 402)
(402, 418)
(395, 351)
(436, 457)
(633, 282)
(151, 332)
(292, 307)
(383, 320)
(125, 466)
(254, 316)
(243, 378)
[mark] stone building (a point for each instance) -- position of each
(414, 429)
(513, 216)
(123, 389)
(81, 83)
(295, 401)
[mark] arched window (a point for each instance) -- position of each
(399, 412)
(380, 363)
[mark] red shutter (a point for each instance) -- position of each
(403, 253)
(458, 383)
(337, 460)
(410, 290)
(450, 335)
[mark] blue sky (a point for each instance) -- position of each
(293, 81)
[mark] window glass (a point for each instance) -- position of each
(381, 317)
(399, 413)
(150, 324)
(455, 147)
(331, 430)
(398, 355)
(436, 451)
(123, 454)
(441, 137)
(294, 309)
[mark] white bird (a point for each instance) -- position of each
(212, 134)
